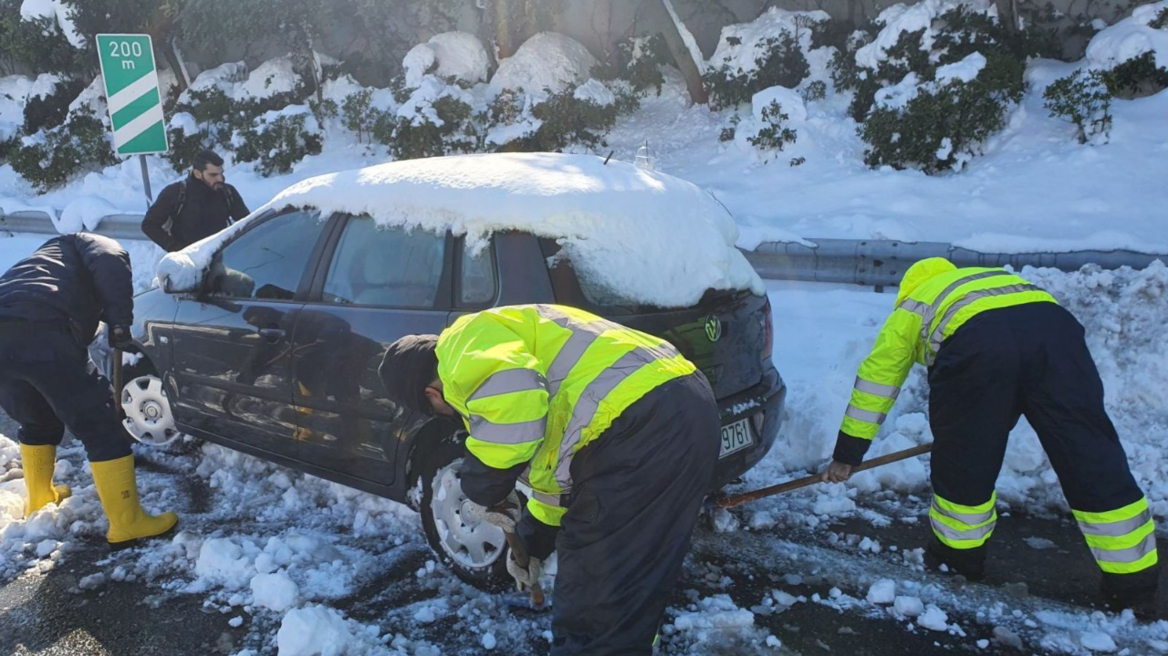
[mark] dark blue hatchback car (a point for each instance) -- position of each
(267, 337)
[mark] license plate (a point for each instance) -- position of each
(735, 437)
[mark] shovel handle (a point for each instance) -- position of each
(116, 374)
(746, 497)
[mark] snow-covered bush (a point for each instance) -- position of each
(770, 51)
(369, 123)
(815, 90)
(933, 84)
(50, 109)
(576, 115)
(36, 43)
(430, 127)
(1137, 77)
(1083, 99)
(774, 134)
(278, 140)
(637, 61)
(50, 157)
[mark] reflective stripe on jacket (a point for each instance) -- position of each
(536, 383)
(916, 329)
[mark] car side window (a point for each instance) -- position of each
(268, 261)
(476, 279)
(385, 266)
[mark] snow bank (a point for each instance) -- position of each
(452, 54)
(84, 213)
(788, 99)
(1130, 38)
(270, 78)
(594, 210)
(548, 61)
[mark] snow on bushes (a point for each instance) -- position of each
(933, 84)
(1134, 52)
(546, 63)
(1083, 99)
(769, 51)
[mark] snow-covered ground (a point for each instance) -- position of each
(276, 549)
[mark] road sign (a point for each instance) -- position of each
(131, 91)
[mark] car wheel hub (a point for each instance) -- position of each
(469, 543)
(148, 417)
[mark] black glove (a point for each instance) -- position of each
(119, 338)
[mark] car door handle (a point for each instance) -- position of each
(272, 334)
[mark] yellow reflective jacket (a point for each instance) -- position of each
(915, 331)
(536, 383)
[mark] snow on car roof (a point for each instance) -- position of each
(655, 238)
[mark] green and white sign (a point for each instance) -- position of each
(131, 91)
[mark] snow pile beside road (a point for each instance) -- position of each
(1129, 38)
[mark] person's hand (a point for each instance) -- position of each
(525, 578)
(119, 338)
(504, 514)
(836, 472)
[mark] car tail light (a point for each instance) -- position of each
(768, 331)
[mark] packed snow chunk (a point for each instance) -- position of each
(489, 641)
(46, 547)
(548, 61)
(92, 582)
(900, 94)
(826, 504)
(314, 631)
(900, 18)
(221, 559)
(965, 70)
(458, 55)
(717, 612)
(595, 211)
(882, 592)
(908, 606)
(274, 591)
(740, 47)
(934, 619)
(1097, 641)
(788, 99)
(1130, 38)
(84, 213)
(56, 10)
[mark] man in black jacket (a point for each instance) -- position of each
(194, 208)
(50, 306)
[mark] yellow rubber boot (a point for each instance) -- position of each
(38, 461)
(118, 490)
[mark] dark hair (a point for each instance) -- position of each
(206, 157)
(408, 366)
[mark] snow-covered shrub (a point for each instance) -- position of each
(278, 140)
(769, 51)
(576, 115)
(36, 43)
(369, 123)
(815, 90)
(1083, 99)
(48, 110)
(730, 131)
(442, 126)
(1137, 77)
(50, 157)
(449, 56)
(638, 61)
(774, 134)
(933, 84)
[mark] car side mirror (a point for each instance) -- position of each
(171, 286)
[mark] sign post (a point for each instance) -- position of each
(133, 96)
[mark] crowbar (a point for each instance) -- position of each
(746, 497)
(116, 373)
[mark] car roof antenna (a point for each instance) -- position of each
(609, 157)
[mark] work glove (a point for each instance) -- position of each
(525, 577)
(119, 338)
(504, 514)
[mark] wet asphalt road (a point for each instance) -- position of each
(49, 614)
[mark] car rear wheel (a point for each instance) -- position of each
(475, 551)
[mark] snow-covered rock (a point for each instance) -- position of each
(459, 55)
(548, 60)
(1130, 38)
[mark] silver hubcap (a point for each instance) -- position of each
(148, 417)
(471, 544)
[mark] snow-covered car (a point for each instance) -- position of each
(266, 338)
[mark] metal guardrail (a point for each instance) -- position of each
(869, 262)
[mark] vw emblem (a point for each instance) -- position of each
(713, 328)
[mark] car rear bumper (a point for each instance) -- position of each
(763, 405)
